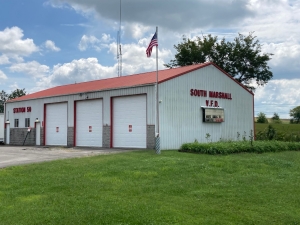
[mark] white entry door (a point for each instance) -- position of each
(129, 122)
(56, 124)
(89, 124)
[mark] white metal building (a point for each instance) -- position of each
(194, 101)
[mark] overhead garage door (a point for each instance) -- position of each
(89, 123)
(129, 121)
(56, 124)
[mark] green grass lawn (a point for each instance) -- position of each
(144, 188)
(283, 128)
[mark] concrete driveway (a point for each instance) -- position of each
(17, 155)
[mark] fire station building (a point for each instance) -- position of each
(120, 112)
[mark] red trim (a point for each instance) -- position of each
(44, 127)
(185, 72)
(75, 115)
(228, 75)
(111, 122)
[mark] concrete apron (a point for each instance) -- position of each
(18, 155)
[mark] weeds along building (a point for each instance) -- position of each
(198, 102)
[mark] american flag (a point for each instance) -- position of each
(153, 43)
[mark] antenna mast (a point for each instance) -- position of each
(119, 47)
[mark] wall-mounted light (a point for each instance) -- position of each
(37, 120)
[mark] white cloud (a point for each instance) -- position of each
(93, 42)
(286, 55)
(274, 21)
(2, 76)
(51, 46)
(134, 57)
(76, 71)
(106, 38)
(14, 86)
(12, 44)
(278, 96)
(137, 30)
(4, 60)
(87, 69)
(33, 68)
(89, 42)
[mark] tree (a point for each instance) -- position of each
(261, 118)
(17, 93)
(295, 114)
(275, 118)
(5, 97)
(242, 58)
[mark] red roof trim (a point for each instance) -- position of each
(188, 71)
(228, 75)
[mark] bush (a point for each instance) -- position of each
(275, 118)
(270, 133)
(295, 114)
(230, 147)
(261, 118)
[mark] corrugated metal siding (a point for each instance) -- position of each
(37, 105)
(181, 114)
(37, 111)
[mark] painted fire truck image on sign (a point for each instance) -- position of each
(213, 115)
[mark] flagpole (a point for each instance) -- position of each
(157, 137)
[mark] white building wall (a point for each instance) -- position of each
(37, 105)
(37, 111)
(181, 118)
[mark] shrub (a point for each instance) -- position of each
(261, 118)
(270, 133)
(276, 119)
(230, 147)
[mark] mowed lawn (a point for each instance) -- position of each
(144, 188)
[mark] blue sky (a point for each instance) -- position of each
(55, 42)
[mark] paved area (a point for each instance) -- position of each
(17, 155)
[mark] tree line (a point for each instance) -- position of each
(294, 114)
(5, 97)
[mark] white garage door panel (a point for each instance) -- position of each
(128, 111)
(89, 123)
(56, 124)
